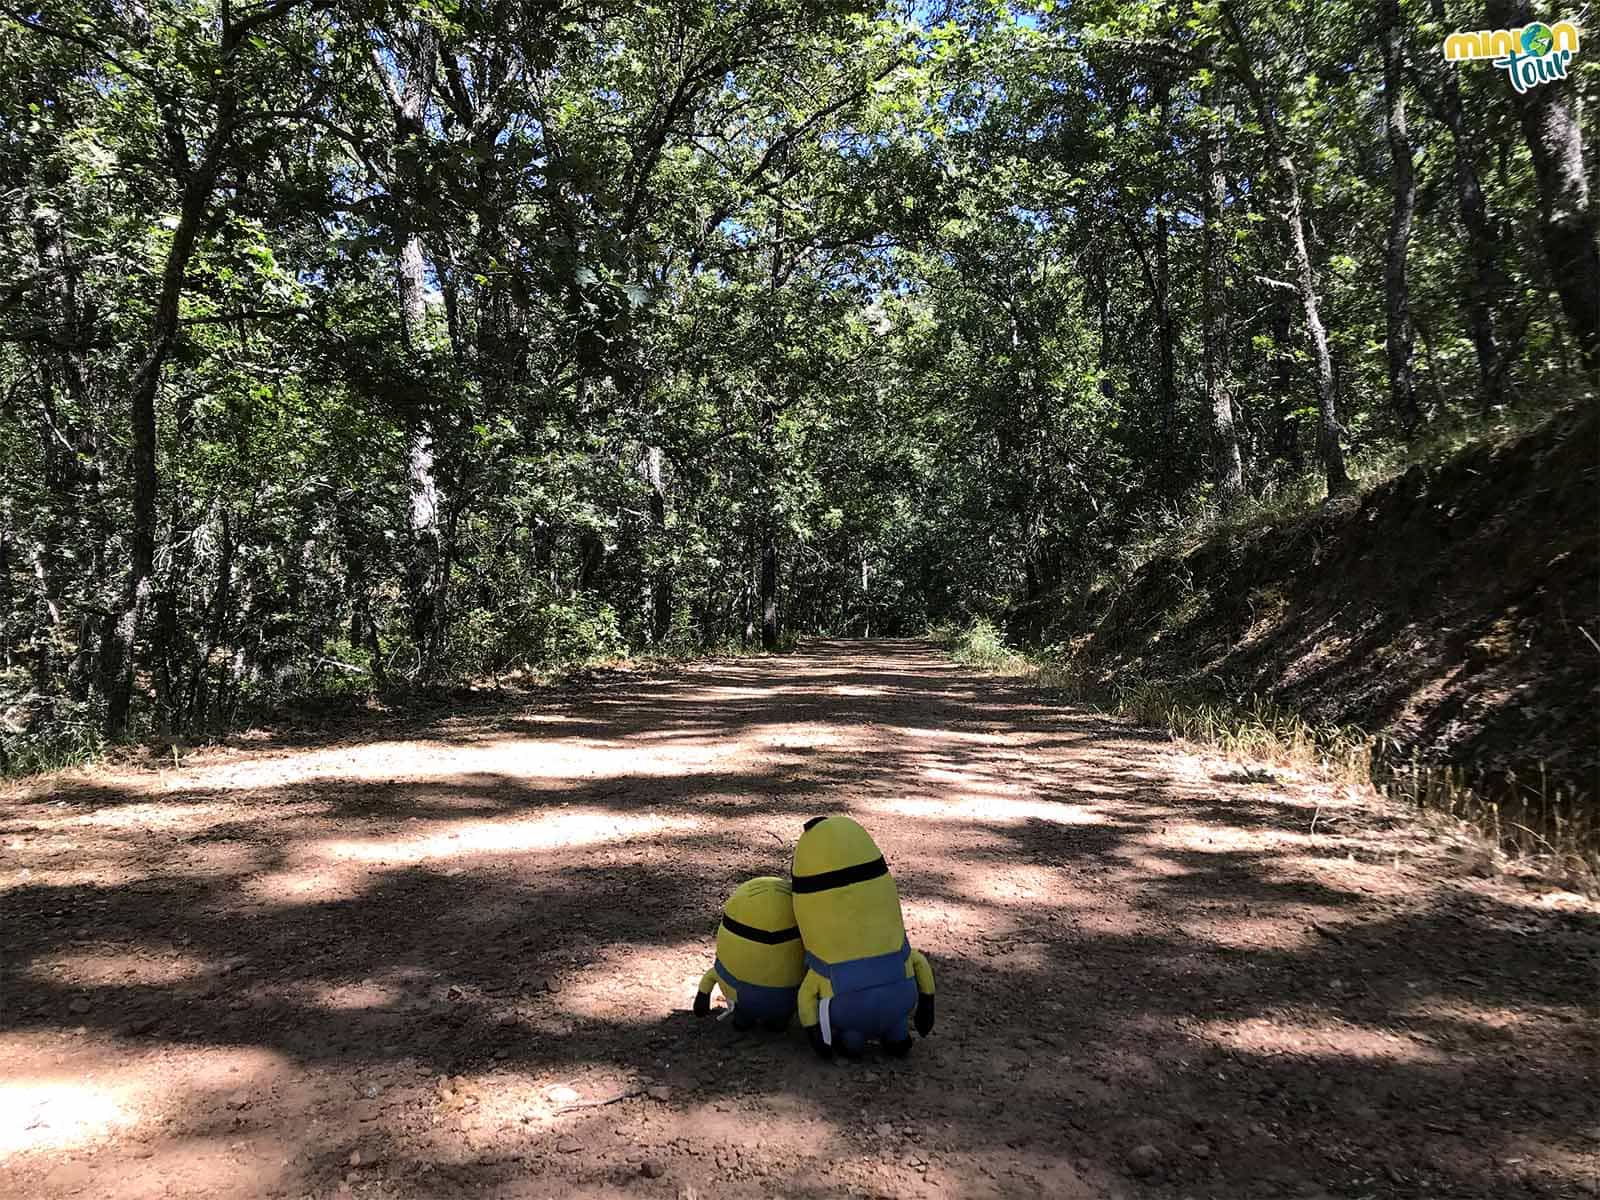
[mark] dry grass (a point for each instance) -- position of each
(1524, 818)
(1528, 819)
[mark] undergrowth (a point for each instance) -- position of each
(1529, 818)
(41, 733)
(981, 645)
(1176, 530)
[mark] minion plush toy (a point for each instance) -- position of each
(863, 979)
(759, 957)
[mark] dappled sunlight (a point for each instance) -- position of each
(348, 996)
(472, 964)
(485, 761)
(54, 1114)
(1234, 931)
(1016, 884)
(993, 809)
(945, 737)
(152, 966)
(636, 984)
(939, 924)
(95, 875)
(191, 817)
(342, 867)
(98, 1093)
(1445, 1010)
(1317, 1035)
(547, 832)
(1219, 838)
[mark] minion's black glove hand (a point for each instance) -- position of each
(702, 1004)
(814, 1033)
(924, 1015)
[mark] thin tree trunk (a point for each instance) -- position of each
(425, 548)
(766, 421)
(660, 595)
(1165, 332)
(1568, 221)
(766, 439)
(216, 623)
(1403, 197)
(5, 587)
(1227, 468)
(1328, 428)
(1102, 289)
(196, 198)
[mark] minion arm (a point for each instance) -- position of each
(808, 999)
(924, 974)
(809, 1002)
(702, 998)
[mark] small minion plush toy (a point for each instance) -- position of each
(863, 979)
(759, 956)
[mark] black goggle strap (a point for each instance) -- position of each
(770, 937)
(843, 877)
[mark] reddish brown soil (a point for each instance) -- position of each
(388, 964)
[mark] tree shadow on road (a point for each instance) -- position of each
(1148, 984)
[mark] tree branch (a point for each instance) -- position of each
(77, 39)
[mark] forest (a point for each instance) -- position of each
(573, 571)
(349, 347)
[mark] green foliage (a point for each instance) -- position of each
(542, 631)
(44, 733)
(981, 645)
(502, 342)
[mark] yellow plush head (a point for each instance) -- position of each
(845, 900)
(757, 939)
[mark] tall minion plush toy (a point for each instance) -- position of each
(863, 979)
(759, 957)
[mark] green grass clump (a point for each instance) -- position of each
(46, 733)
(981, 645)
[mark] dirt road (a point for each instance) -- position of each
(395, 964)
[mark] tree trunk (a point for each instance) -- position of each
(591, 557)
(1101, 282)
(1227, 468)
(425, 548)
(1403, 197)
(660, 602)
(5, 588)
(766, 442)
(1165, 332)
(1486, 283)
(1328, 429)
(196, 198)
(1568, 221)
(216, 622)
(767, 420)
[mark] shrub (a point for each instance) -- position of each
(44, 733)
